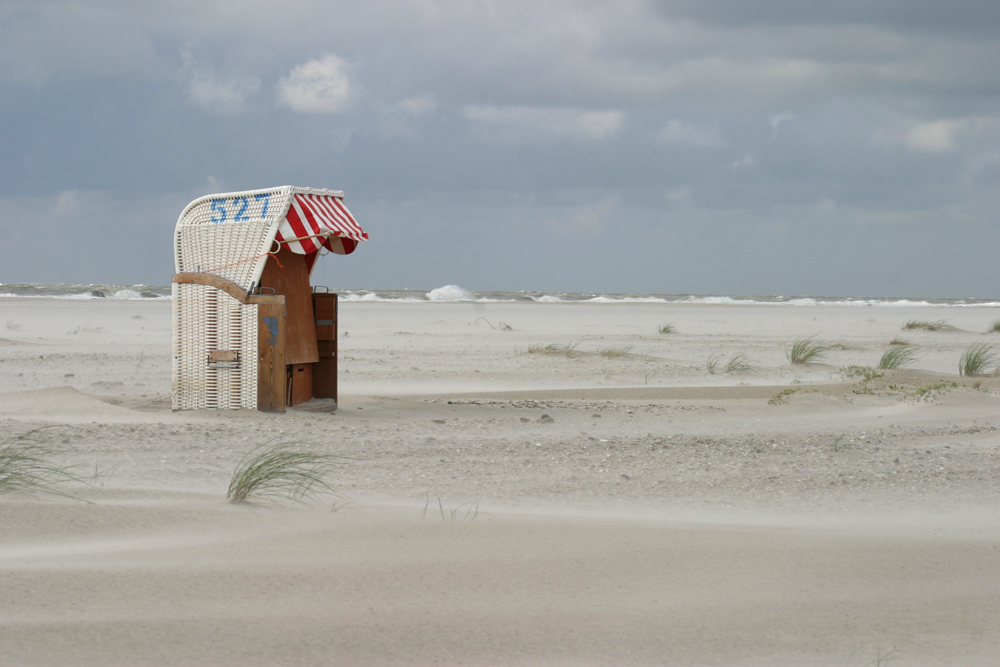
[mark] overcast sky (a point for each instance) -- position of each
(738, 147)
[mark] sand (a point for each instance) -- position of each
(498, 505)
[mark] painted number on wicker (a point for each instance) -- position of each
(241, 204)
(219, 206)
(266, 198)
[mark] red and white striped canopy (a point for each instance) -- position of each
(315, 221)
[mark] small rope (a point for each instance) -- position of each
(271, 253)
(247, 259)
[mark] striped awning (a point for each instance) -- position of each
(319, 221)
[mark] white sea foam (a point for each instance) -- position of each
(455, 294)
(626, 299)
(450, 293)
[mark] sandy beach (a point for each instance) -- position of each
(521, 484)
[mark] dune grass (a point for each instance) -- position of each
(26, 467)
(806, 350)
(13, 325)
(899, 355)
(667, 328)
(615, 352)
(568, 349)
(712, 364)
(994, 327)
(976, 359)
(925, 325)
(281, 470)
(738, 363)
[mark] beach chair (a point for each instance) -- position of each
(248, 329)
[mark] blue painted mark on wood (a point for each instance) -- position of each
(272, 329)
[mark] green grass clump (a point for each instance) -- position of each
(738, 363)
(899, 355)
(667, 328)
(568, 350)
(806, 350)
(781, 398)
(994, 327)
(615, 352)
(281, 470)
(838, 444)
(931, 391)
(935, 325)
(712, 363)
(866, 373)
(975, 360)
(25, 467)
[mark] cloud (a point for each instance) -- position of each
(779, 118)
(679, 194)
(558, 121)
(42, 43)
(934, 137)
(317, 86)
(746, 161)
(679, 132)
(419, 106)
(401, 119)
(584, 221)
(214, 94)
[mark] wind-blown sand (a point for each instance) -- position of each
(660, 515)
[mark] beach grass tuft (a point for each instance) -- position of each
(26, 467)
(281, 470)
(13, 325)
(838, 444)
(568, 349)
(615, 352)
(667, 328)
(925, 325)
(898, 355)
(806, 350)
(738, 363)
(976, 359)
(994, 327)
(712, 364)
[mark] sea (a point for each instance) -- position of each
(454, 293)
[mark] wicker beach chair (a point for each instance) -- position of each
(247, 332)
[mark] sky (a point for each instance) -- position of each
(730, 147)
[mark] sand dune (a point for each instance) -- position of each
(64, 405)
(658, 514)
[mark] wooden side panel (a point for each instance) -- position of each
(271, 355)
(288, 275)
(325, 370)
(300, 378)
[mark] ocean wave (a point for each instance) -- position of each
(92, 291)
(452, 293)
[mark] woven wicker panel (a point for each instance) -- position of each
(228, 234)
(207, 319)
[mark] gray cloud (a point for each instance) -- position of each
(710, 146)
